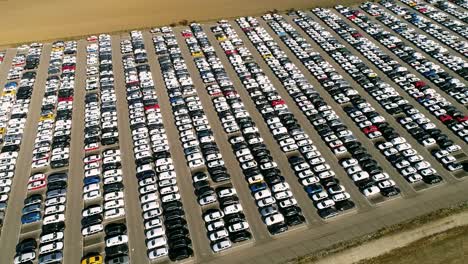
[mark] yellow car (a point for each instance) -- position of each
(267, 56)
(9, 93)
(47, 117)
(221, 38)
(197, 54)
(412, 4)
(92, 260)
(2, 130)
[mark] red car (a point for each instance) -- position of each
(37, 177)
(186, 34)
(462, 118)
(445, 118)
(155, 106)
(419, 84)
(229, 52)
(67, 99)
(70, 68)
(370, 129)
(278, 102)
(36, 185)
(91, 147)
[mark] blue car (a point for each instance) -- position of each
(30, 218)
(31, 208)
(313, 188)
(91, 180)
(11, 85)
(258, 187)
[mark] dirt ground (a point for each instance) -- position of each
(31, 20)
(450, 247)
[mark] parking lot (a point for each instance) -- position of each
(251, 140)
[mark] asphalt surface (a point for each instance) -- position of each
(316, 234)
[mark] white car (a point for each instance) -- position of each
(232, 209)
(221, 245)
(156, 242)
(371, 191)
(25, 257)
(158, 253)
(116, 240)
(155, 232)
(212, 216)
(51, 237)
(113, 213)
(219, 234)
(170, 197)
(47, 248)
(238, 226)
(326, 203)
(90, 230)
(274, 219)
(53, 219)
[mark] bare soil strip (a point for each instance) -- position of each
(28, 20)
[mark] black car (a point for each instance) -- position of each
(54, 227)
(171, 206)
(114, 187)
(26, 245)
(344, 205)
(277, 228)
(296, 219)
(115, 229)
(327, 212)
(174, 214)
(180, 253)
(35, 198)
(91, 220)
(240, 236)
(432, 179)
(55, 185)
(175, 224)
(180, 243)
(178, 233)
(116, 250)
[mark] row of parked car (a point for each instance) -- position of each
(275, 201)
(50, 213)
(425, 24)
(434, 49)
(51, 148)
(103, 189)
(15, 100)
(451, 8)
(198, 140)
(439, 16)
(338, 137)
(166, 229)
(428, 97)
(52, 143)
(409, 117)
(416, 123)
(313, 172)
